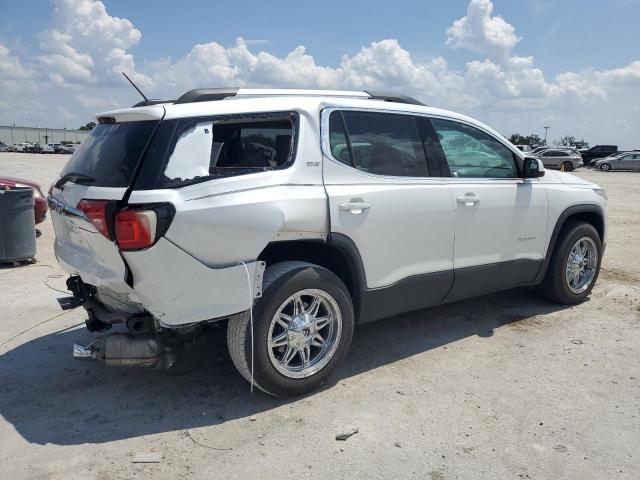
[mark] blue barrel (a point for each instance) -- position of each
(17, 225)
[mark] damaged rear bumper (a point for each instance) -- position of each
(170, 288)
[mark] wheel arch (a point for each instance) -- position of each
(338, 254)
(589, 213)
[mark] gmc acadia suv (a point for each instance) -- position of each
(295, 215)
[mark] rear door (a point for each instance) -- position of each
(626, 162)
(395, 209)
(500, 218)
(97, 175)
(551, 158)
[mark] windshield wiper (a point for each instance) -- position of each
(73, 177)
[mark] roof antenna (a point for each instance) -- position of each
(134, 86)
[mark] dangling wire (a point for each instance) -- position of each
(250, 314)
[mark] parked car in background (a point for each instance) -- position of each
(599, 151)
(55, 146)
(3, 147)
(46, 148)
(560, 158)
(524, 148)
(40, 206)
(22, 147)
(539, 149)
(623, 161)
(573, 150)
(11, 147)
(67, 149)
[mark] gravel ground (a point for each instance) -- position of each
(504, 386)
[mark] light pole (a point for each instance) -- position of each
(545, 135)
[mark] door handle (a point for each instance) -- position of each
(469, 200)
(354, 207)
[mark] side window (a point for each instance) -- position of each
(378, 143)
(338, 138)
(473, 153)
(549, 153)
(198, 149)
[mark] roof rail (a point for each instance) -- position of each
(207, 95)
(394, 97)
(212, 94)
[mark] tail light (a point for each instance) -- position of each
(135, 229)
(96, 212)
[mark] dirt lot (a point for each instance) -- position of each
(505, 386)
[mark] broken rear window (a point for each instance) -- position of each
(193, 150)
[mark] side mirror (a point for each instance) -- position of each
(533, 168)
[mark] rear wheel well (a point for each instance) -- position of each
(320, 253)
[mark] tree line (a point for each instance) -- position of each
(535, 140)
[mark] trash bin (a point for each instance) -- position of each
(17, 225)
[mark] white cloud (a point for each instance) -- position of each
(380, 65)
(95, 102)
(479, 32)
(10, 66)
(66, 113)
(83, 50)
(84, 44)
(628, 74)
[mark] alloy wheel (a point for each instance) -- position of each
(304, 334)
(582, 265)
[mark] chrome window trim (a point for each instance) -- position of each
(325, 145)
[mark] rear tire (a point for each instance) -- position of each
(572, 275)
(294, 356)
(568, 166)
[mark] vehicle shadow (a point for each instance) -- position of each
(50, 398)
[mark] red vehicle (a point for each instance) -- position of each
(40, 208)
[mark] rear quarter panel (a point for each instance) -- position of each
(223, 221)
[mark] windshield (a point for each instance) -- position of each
(110, 154)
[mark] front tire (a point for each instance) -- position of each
(605, 167)
(575, 264)
(302, 330)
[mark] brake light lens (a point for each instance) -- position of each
(96, 212)
(135, 229)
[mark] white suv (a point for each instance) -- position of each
(295, 215)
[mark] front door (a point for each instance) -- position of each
(500, 219)
(383, 199)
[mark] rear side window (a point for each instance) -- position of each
(111, 152)
(378, 143)
(193, 150)
(471, 153)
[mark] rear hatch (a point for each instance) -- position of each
(98, 176)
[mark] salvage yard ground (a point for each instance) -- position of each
(505, 386)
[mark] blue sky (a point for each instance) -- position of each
(61, 48)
